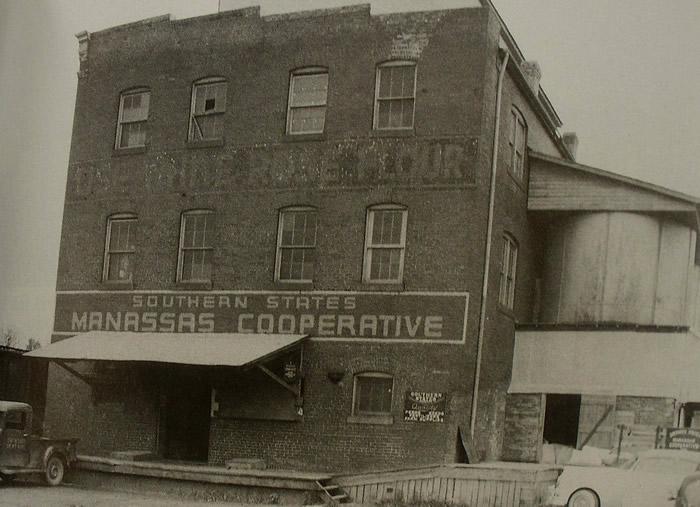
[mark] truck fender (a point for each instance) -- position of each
(51, 450)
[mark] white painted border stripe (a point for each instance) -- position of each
(290, 292)
(465, 295)
(334, 339)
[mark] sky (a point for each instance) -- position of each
(622, 74)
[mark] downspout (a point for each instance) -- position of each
(489, 234)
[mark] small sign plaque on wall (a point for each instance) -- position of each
(420, 406)
(678, 438)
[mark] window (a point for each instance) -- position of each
(372, 394)
(119, 248)
(196, 246)
(308, 91)
(207, 110)
(296, 244)
(517, 142)
(395, 95)
(385, 242)
(133, 114)
(509, 268)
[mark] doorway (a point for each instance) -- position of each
(561, 419)
(185, 404)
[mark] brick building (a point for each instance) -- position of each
(275, 237)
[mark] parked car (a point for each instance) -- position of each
(653, 480)
(689, 493)
(23, 453)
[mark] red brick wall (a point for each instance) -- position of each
(440, 172)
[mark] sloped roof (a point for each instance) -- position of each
(561, 185)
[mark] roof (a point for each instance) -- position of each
(657, 364)
(617, 177)
(14, 405)
(210, 349)
(14, 350)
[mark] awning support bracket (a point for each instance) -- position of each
(294, 390)
(73, 372)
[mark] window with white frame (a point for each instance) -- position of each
(120, 248)
(395, 95)
(308, 93)
(296, 244)
(509, 266)
(385, 242)
(372, 394)
(196, 246)
(133, 115)
(517, 142)
(207, 109)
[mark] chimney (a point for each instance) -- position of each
(570, 140)
(533, 74)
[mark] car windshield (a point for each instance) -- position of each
(666, 465)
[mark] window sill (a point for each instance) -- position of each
(205, 143)
(508, 312)
(293, 138)
(387, 286)
(392, 133)
(382, 420)
(518, 180)
(294, 284)
(203, 285)
(134, 150)
(118, 284)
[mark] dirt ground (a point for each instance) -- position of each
(23, 494)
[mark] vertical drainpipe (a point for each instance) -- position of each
(489, 234)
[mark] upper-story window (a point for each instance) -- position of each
(395, 95)
(207, 109)
(120, 248)
(196, 246)
(296, 244)
(509, 267)
(308, 93)
(372, 394)
(385, 242)
(133, 115)
(517, 142)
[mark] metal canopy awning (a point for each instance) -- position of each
(628, 363)
(209, 349)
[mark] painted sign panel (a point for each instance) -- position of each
(422, 406)
(443, 161)
(409, 316)
(678, 438)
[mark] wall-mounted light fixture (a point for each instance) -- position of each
(336, 376)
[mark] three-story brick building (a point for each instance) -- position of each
(302, 238)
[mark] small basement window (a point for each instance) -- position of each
(372, 394)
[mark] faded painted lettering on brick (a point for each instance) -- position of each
(447, 161)
(359, 315)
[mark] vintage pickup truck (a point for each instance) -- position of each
(23, 453)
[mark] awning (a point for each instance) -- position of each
(660, 364)
(210, 349)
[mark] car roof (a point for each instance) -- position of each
(6, 406)
(671, 453)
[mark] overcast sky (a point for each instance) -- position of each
(623, 74)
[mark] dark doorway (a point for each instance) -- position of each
(185, 403)
(561, 419)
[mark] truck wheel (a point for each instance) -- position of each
(55, 468)
(583, 498)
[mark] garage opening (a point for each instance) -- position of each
(561, 419)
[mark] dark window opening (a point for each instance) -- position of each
(561, 419)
